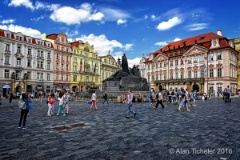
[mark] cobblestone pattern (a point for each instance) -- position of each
(107, 134)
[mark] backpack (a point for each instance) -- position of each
(22, 105)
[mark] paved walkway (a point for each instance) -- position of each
(211, 130)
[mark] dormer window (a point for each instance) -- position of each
(29, 40)
(215, 43)
(8, 35)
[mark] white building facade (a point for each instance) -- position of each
(204, 63)
(26, 63)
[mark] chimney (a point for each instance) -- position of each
(219, 32)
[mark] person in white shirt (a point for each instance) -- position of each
(130, 103)
(159, 98)
(60, 105)
(94, 99)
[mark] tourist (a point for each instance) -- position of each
(152, 98)
(105, 97)
(66, 99)
(159, 98)
(130, 103)
(24, 112)
(179, 95)
(174, 99)
(40, 97)
(50, 101)
(53, 100)
(94, 100)
(10, 98)
(182, 103)
(192, 99)
(187, 99)
(32, 95)
(60, 105)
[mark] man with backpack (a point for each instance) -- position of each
(159, 99)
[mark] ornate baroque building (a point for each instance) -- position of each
(26, 63)
(142, 67)
(206, 62)
(85, 72)
(236, 44)
(109, 66)
(62, 60)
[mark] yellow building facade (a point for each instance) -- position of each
(236, 43)
(85, 67)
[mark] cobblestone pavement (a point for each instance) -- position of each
(211, 130)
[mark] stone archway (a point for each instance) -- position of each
(195, 87)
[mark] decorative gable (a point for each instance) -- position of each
(160, 57)
(196, 50)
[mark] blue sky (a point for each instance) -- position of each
(134, 27)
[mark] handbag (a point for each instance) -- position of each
(21, 105)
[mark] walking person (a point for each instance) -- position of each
(40, 96)
(182, 103)
(66, 99)
(130, 103)
(152, 97)
(192, 99)
(159, 98)
(24, 112)
(105, 97)
(94, 101)
(60, 105)
(10, 98)
(50, 101)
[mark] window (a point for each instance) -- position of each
(171, 76)
(6, 73)
(62, 77)
(49, 55)
(195, 74)
(38, 75)
(189, 60)
(48, 65)
(160, 77)
(189, 74)
(171, 63)
(176, 62)
(57, 66)
(18, 62)
(48, 77)
(62, 48)
(202, 58)
(75, 78)
(18, 49)
(181, 61)
(195, 59)
(87, 78)
(57, 47)
(152, 77)
(67, 58)
(160, 65)
(29, 75)
(57, 77)
(219, 72)
(42, 54)
(8, 35)
(7, 49)
(62, 57)
(18, 75)
(148, 78)
(62, 66)
(41, 76)
(67, 67)
(29, 62)
(219, 56)
(182, 75)
(29, 51)
(41, 64)
(29, 40)
(164, 64)
(202, 73)
(38, 53)
(96, 79)
(176, 75)
(57, 56)
(156, 77)
(210, 57)
(7, 60)
(211, 73)
(165, 77)
(74, 68)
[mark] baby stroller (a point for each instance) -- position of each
(226, 97)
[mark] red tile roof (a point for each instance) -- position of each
(52, 36)
(203, 39)
(75, 44)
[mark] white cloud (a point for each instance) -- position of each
(26, 31)
(153, 17)
(101, 43)
(163, 43)
(127, 46)
(165, 25)
(25, 3)
(197, 26)
(111, 14)
(71, 15)
(37, 19)
(7, 21)
(121, 21)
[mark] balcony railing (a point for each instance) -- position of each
(183, 80)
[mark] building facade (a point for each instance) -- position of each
(61, 61)
(204, 63)
(85, 72)
(142, 67)
(26, 63)
(109, 66)
(236, 44)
